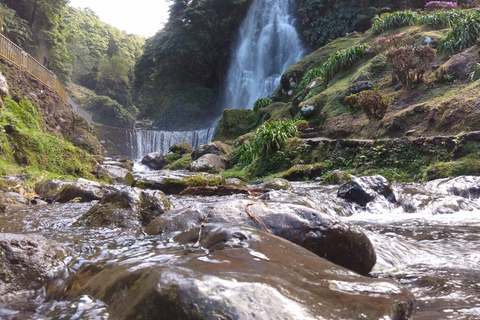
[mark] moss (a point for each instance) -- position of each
(465, 166)
(304, 172)
(181, 163)
(29, 146)
(236, 122)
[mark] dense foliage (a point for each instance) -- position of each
(102, 56)
(44, 19)
(323, 20)
(178, 75)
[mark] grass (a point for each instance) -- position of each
(28, 149)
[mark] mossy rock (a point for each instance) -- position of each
(278, 184)
(301, 172)
(181, 148)
(336, 177)
(173, 182)
(236, 183)
(462, 167)
(236, 122)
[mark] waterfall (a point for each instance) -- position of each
(143, 142)
(267, 45)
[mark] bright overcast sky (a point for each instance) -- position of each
(143, 17)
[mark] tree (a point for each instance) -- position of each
(178, 75)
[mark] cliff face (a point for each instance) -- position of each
(59, 119)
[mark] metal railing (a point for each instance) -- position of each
(23, 60)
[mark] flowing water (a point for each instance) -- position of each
(267, 45)
(143, 142)
(433, 253)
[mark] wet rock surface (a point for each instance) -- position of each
(173, 182)
(126, 208)
(365, 189)
(239, 274)
(60, 191)
(320, 233)
(154, 161)
(27, 261)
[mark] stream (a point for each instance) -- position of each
(429, 243)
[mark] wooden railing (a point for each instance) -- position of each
(23, 60)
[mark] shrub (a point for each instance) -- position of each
(262, 103)
(400, 60)
(372, 102)
(426, 55)
(433, 6)
(301, 125)
(385, 43)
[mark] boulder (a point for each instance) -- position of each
(126, 208)
(181, 148)
(59, 191)
(15, 198)
(302, 172)
(27, 261)
(364, 189)
(235, 182)
(337, 177)
(278, 184)
(154, 161)
(320, 233)
(234, 272)
(208, 162)
(173, 182)
(209, 148)
(357, 88)
(463, 186)
(118, 174)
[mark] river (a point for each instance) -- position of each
(429, 242)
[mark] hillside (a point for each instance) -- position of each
(347, 91)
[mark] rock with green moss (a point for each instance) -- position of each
(278, 184)
(302, 172)
(126, 208)
(236, 183)
(118, 174)
(181, 148)
(173, 182)
(208, 148)
(337, 177)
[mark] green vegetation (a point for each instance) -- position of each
(24, 144)
(109, 112)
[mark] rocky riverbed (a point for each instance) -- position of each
(295, 253)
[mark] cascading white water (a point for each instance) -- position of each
(267, 45)
(143, 142)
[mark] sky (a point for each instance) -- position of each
(142, 17)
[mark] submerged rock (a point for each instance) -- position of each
(27, 261)
(127, 208)
(463, 186)
(320, 233)
(174, 182)
(364, 189)
(240, 273)
(60, 191)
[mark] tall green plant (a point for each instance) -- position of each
(463, 32)
(269, 138)
(395, 20)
